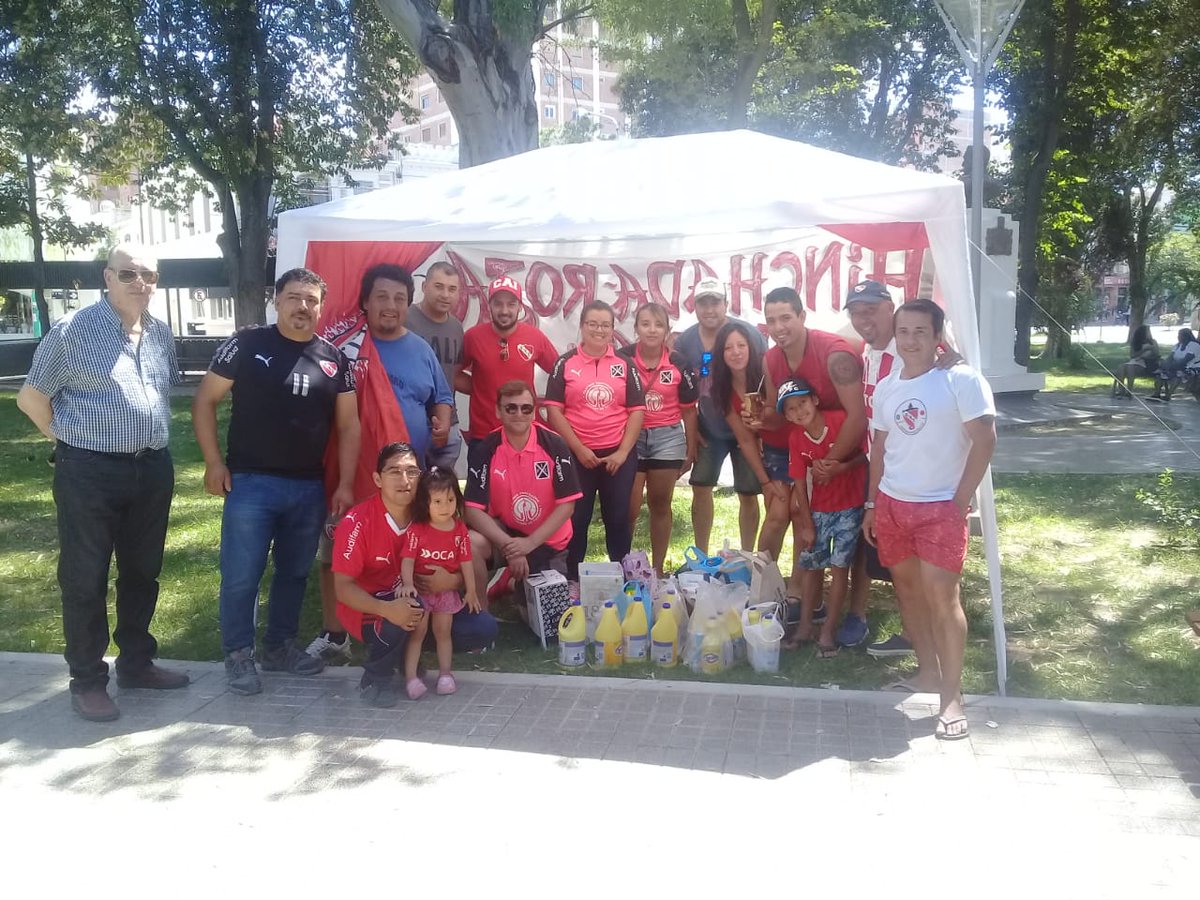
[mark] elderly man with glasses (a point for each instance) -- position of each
(521, 491)
(99, 387)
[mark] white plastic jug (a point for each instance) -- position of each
(763, 638)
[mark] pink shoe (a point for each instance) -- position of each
(415, 688)
(446, 684)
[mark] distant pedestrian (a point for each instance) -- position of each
(99, 387)
(434, 320)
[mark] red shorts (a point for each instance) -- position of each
(934, 532)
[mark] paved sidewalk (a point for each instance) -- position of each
(555, 782)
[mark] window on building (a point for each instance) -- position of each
(425, 135)
(548, 112)
(424, 101)
(551, 79)
(222, 307)
(577, 83)
(198, 305)
(442, 129)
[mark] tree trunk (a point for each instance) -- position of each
(1058, 48)
(753, 42)
(1139, 251)
(35, 234)
(1057, 343)
(243, 244)
(483, 72)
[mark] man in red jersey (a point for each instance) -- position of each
(497, 352)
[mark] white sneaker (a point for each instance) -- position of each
(330, 651)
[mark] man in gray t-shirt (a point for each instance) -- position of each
(432, 320)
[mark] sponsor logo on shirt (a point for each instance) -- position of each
(654, 401)
(598, 395)
(352, 539)
(438, 555)
(911, 416)
(666, 376)
(526, 351)
(541, 469)
(526, 509)
(329, 367)
(617, 370)
(265, 360)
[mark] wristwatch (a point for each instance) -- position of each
(870, 504)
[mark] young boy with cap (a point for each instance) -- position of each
(832, 516)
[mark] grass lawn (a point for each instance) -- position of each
(1092, 379)
(1094, 600)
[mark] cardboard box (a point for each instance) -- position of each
(598, 582)
(546, 599)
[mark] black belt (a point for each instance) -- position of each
(136, 454)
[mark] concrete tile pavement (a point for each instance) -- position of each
(551, 779)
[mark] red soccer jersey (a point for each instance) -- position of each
(366, 546)
(431, 547)
(522, 487)
(813, 368)
(596, 394)
(847, 490)
(670, 387)
(483, 354)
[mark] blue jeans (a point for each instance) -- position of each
(386, 642)
(261, 511)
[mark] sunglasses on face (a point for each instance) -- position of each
(705, 360)
(129, 276)
(503, 349)
(525, 409)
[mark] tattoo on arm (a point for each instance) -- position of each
(844, 368)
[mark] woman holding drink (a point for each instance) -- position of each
(737, 371)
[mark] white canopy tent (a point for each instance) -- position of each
(682, 201)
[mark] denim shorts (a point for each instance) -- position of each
(775, 461)
(710, 457)
(664, 447)
(837, 539)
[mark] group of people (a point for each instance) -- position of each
(1145, 361)
(342, 444)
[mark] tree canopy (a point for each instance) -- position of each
(252, 96)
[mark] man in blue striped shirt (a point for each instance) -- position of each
(99, 387)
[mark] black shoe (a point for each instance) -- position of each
(94, 704)
(152, 678)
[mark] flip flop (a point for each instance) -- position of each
(944, 733)
(828, 651)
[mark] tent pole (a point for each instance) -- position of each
(978, 173)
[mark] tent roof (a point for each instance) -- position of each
(716, 183)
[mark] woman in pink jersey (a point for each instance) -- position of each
(737, 370)
(667, 444)
(594, 400)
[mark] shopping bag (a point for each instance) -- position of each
(766, 581)
(599, 582)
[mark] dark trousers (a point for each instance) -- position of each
(614, 491)
(386, 641)
(110, 505)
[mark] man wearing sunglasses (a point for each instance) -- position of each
(717, 440)
(99, 387)
(499, 351)
(521, 491)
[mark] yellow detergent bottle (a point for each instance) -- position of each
(664, 639)
(712, 648)
(609, 642)
(636, 631)
(572, 637)
(733, 624)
